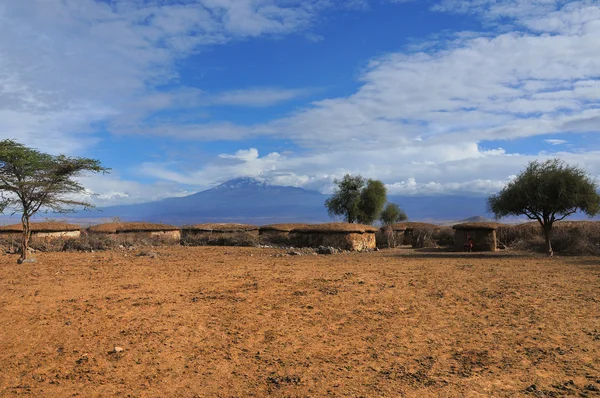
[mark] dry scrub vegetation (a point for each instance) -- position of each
(233, 322)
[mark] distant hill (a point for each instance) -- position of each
(248, 200)
(243, 200)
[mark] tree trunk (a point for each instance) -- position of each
(548, 237)
(25, 239)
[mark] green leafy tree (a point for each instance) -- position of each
(392, 214)
(547, 192)
(32, 181)
(372, 199)
(357, 199)
(346, 198)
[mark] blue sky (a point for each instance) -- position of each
(432, 97)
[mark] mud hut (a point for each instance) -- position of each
(344, 236)
(220, 234)
(280, 234)
(482, 234)
(45, 230)
(137, 230)
(408, 230)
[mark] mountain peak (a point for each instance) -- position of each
(242, 182)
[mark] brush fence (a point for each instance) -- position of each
(482, 234)
(412, 232)
(42, 230)
(390, 236)
(138, 230)
(220, 235)
(354, 237)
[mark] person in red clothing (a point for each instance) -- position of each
(469, 243)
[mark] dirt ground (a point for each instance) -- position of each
(237, 322)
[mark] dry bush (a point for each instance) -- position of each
(423, 237)
(518, 236)
(221, 239)
(89, 242)
(386, 237)
(578, 240)
(444, 237)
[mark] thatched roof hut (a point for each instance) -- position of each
(134, 230)
(344, 236)
(220, 227)
(279, 234)
(220, 234)
(482, 234)
(49, 229)
(124, 227)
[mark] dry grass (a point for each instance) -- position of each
(478, 225)
(221, 227)
(41, 227)
(282, 227)
(232, 322)
(411, 225)
(336, 228)
(124, 227)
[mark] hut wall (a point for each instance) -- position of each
(44, 235)
(303, 239)
(273, 237)
(347, 241)
(166, 235)
(483, 240)
(56, 235)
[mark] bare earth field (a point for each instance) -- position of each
(236, 322)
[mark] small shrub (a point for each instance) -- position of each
(241, 238)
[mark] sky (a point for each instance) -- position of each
(438, 97)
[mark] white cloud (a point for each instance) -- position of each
(245, 155)
(478, 87)
(258, 97)
(67, 64)
(552, 141)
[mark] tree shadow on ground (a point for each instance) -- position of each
(585, 261)
(444, 252)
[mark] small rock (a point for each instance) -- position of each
(116, 350)
(295, 253)
(531, 388)
(326, 250)
(147, 254)
(26, 261)
(591, 387)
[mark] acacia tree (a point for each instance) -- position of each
(547, 192)
(356, 199)
(32, 181)
(391, 214)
